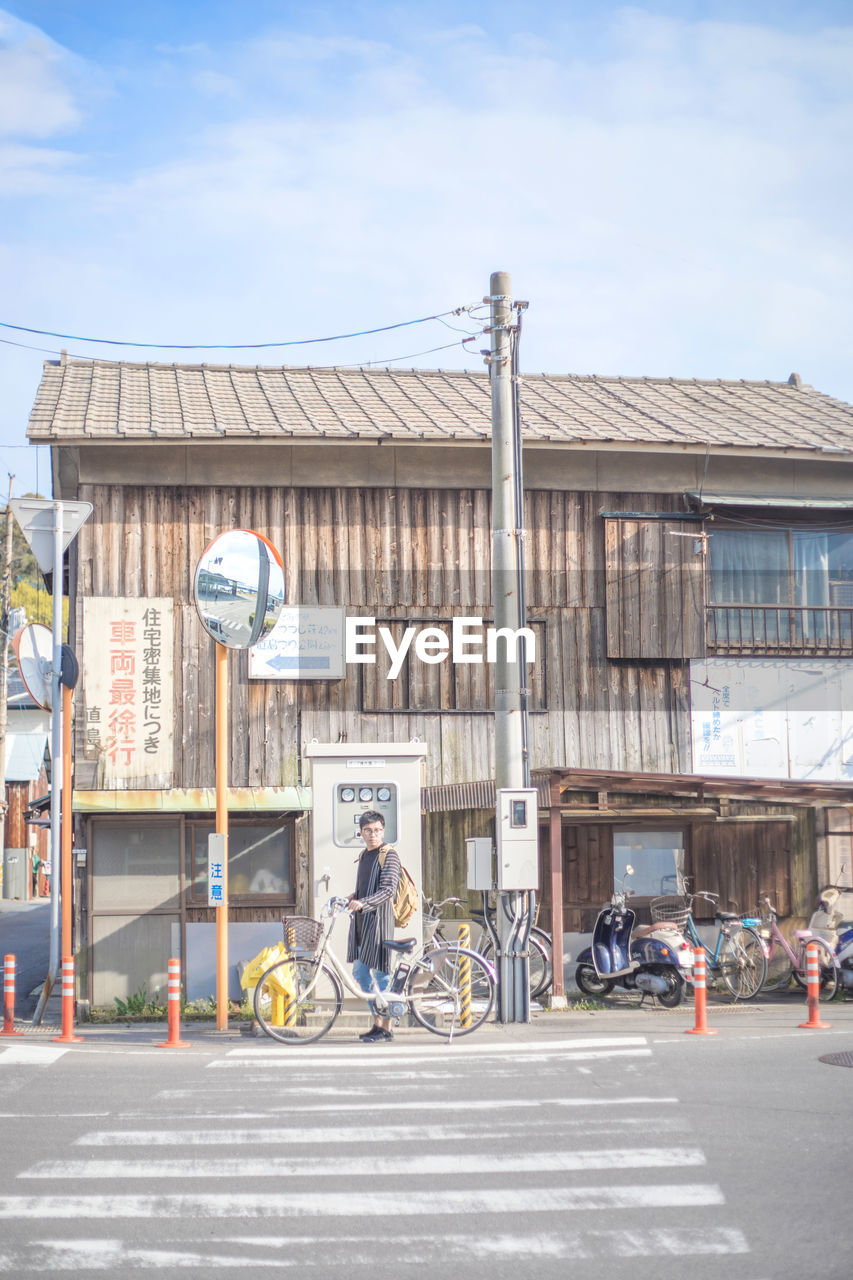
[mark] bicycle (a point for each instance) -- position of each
(785, 962)
(449, 990)
(541, 968)
(737, 959)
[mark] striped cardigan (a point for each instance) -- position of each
(377, 916)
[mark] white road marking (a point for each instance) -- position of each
(364, 1205)
(284, 1060)
(428, 1050)
(369, 1134)
(30, 1055)
(54, 1256)
(503, 1105)
(376, 1166)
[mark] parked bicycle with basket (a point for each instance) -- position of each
(736, 961)
(785, 962)
(449, 989)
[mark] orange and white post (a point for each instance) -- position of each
(9, 997)
(813, 982)
(700, 994)
(68, 1036)
(174, 1009)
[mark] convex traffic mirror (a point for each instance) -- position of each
(239, 588)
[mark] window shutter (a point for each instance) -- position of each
(655, 589)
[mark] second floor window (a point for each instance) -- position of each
(794, 586)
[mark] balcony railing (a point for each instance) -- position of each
(794, 630)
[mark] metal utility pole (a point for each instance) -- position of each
(513, 918)
(4, 664)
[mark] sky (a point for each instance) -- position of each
(668, 184)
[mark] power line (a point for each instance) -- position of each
(234, 346)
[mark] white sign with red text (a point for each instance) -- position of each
(128, 688)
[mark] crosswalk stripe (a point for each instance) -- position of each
(363, 1205)
(502, 1105)
(369, 1134)
(76, 1255)
(30, 1055)
(429, 1051)
(284, 1060)
(376, 1166)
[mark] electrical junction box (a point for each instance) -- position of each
(478, 850)
(518, 838)
(347, 780)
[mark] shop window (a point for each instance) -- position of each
(657, 858)
(260, 860)
(135, 865)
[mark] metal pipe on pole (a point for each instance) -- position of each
(513, 908)
(56, 766)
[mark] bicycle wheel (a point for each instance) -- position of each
(296, 1001)
(743, 964)
(828, 971)
(780, 969)
(541, 962)
(539, 967)
(451, 991)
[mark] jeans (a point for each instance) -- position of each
(366, 979)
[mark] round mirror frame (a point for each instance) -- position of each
(247, 611)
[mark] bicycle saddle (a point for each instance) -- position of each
(406, 946)
(727, 915)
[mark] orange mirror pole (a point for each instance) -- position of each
(222, 829)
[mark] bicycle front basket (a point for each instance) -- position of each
(672, 909)
(301, 934)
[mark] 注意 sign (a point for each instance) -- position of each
(128, 691)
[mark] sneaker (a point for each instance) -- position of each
(375, 1034)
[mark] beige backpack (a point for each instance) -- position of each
(406, 897)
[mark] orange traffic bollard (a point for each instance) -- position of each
(9, 998)
(174, 1009)
(699, 996)
(68, 1036)
(813, 978)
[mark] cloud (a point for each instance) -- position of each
(35, 100)
(672, 202)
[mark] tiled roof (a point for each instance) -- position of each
(82, 400)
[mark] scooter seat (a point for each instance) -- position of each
(645, 930)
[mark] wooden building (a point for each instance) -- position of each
(375, 485)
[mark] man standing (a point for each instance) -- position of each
(372, 924)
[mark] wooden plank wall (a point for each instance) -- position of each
(394, 553)
(655, 588)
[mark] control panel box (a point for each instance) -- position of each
(478, 851)
(348, 780)
(517, 838)
(352, 799)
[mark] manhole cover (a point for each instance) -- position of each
(838, 1059)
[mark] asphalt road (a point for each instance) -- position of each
(25, 934)
(582, 1145)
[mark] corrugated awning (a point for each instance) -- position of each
(765, 500)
